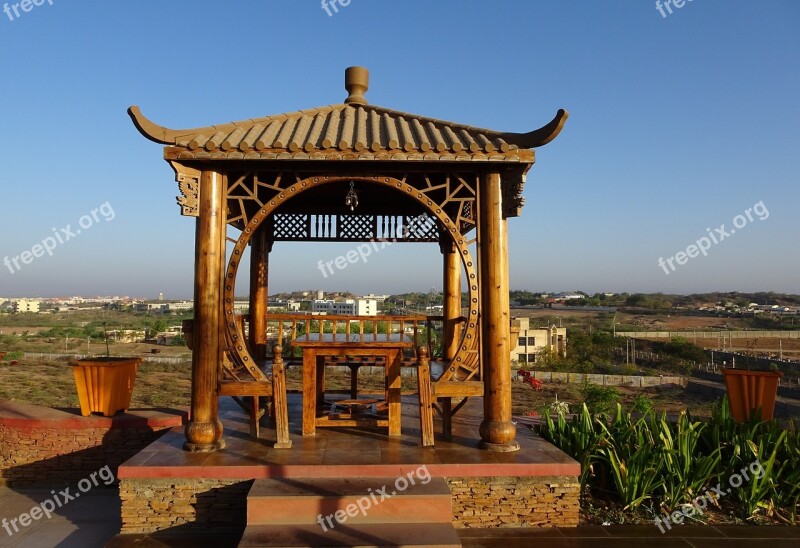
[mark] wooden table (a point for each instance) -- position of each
(316, 347)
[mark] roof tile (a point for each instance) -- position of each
(346, 130)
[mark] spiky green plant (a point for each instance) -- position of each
(632, 459)
(686, 471)
(579, 437)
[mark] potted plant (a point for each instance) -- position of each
(751, 391)
(105, 384)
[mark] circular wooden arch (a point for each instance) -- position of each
(238, 346)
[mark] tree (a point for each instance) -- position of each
(156, 327)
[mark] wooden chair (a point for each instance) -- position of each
(254, 390)
(442, 393)
(438, 396)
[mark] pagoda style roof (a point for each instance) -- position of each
(353, 130)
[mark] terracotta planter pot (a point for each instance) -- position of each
(750, 390)
(105, 385)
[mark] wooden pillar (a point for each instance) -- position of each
(452, 298)
(259, 291)
(452, 311)
(204, 430)
(497, 431)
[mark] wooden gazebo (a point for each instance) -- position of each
(285, 177)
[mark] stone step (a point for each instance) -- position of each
(346, 534)
(309, 501)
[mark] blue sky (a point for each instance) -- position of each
(677, 124)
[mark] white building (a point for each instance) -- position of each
(531, 341)
(25, 305)
(350, 307)
(378, 298)
(180, 306)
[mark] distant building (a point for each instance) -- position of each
(531, 341)
(377, 298)
(180, 306)
(147, 308)
(127, 335)
(350, 307)
(566, 296)
(25, 305)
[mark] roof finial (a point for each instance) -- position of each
(356, 82)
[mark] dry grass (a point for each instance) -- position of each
(52, 384)
(164, 385)
(669, 398)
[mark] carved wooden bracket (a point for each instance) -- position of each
(512, 195)
(189, 185)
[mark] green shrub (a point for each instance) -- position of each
(600, 399)
(642, 404)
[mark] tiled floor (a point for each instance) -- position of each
(343, 452)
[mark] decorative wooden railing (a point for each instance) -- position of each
(427, 330)
(282, 329)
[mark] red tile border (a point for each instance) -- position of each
(24, 415)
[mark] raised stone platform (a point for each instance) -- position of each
(42, 446)
(164, 487)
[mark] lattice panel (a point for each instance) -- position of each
(453, 192)
(291, 226)
(356, 227)
(466, 217)
(250, 191)
(422, 228)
